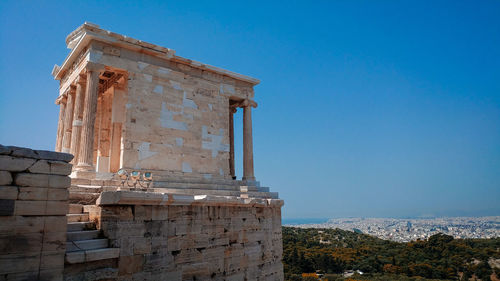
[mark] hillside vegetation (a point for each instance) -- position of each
(334, 251)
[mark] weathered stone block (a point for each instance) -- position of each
(60, 168)
(23, 152)
(55, 224)
(40, 167)
(15, 164)
(54, 241)
(130, 264)
(159, 213)
(56, 181)
(142, 213)
(27, 179)
(142, 245)
(8, 192)
(5, 178)
(32, 193)
(52, 155)
(13, 263)
(57, 208)
(57, 194)
(21, 243)
(30, 208)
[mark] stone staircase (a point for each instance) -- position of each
(85, 243)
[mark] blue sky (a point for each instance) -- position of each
(366, 108)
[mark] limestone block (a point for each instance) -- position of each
(188, 256)
(22, 276)
(159, 213)
(60, 168)
(25, 262)
(130, 264)
(115, 213)
(54, 241)
(56, 181)
(21, 243)
(55, 224)
(159, 243)
(7, 207)
(57, 194)
(30, 208)
(22, 152)
(170, 275)
(15, 164)
(142, 213)
(56, 156)
(57, 208)
(51, 274)
(27, 179)
(235, 277)
(32, 193)
(5, 150)
(142, 245)
(5, 178)
(52, 259)
(196, 271)
(40, 167)
(157, 228)
(8, 192)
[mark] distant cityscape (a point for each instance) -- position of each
(405, 230)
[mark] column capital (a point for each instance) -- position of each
(81, 79)
(246, 103)
(72, 89)
(61, 99)
(92, 66)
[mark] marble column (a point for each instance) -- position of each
(248, 173)
(85, 156)
(68, 120)
(232, 111)
(60, 123)
(77, 119)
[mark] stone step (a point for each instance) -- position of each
(83, 197)
(75, 208)
(252, 194)
(164, 179)
(86, 245)
(83, 235)
(77, 217)
(81, 226)
(206, 186)
(85, 188)
(92, 255)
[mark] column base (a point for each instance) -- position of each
(84, 167)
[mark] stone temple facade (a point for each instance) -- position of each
(153, 192)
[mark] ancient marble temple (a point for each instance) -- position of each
(153, 176)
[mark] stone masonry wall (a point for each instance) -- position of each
(181, 241)
(33, 206)
(177, 116)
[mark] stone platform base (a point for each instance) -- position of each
(186, 237)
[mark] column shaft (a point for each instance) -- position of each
(68, 120)
(77, 121)
(60, 125)
(231, 143)
(247, 144)
(85, 156)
